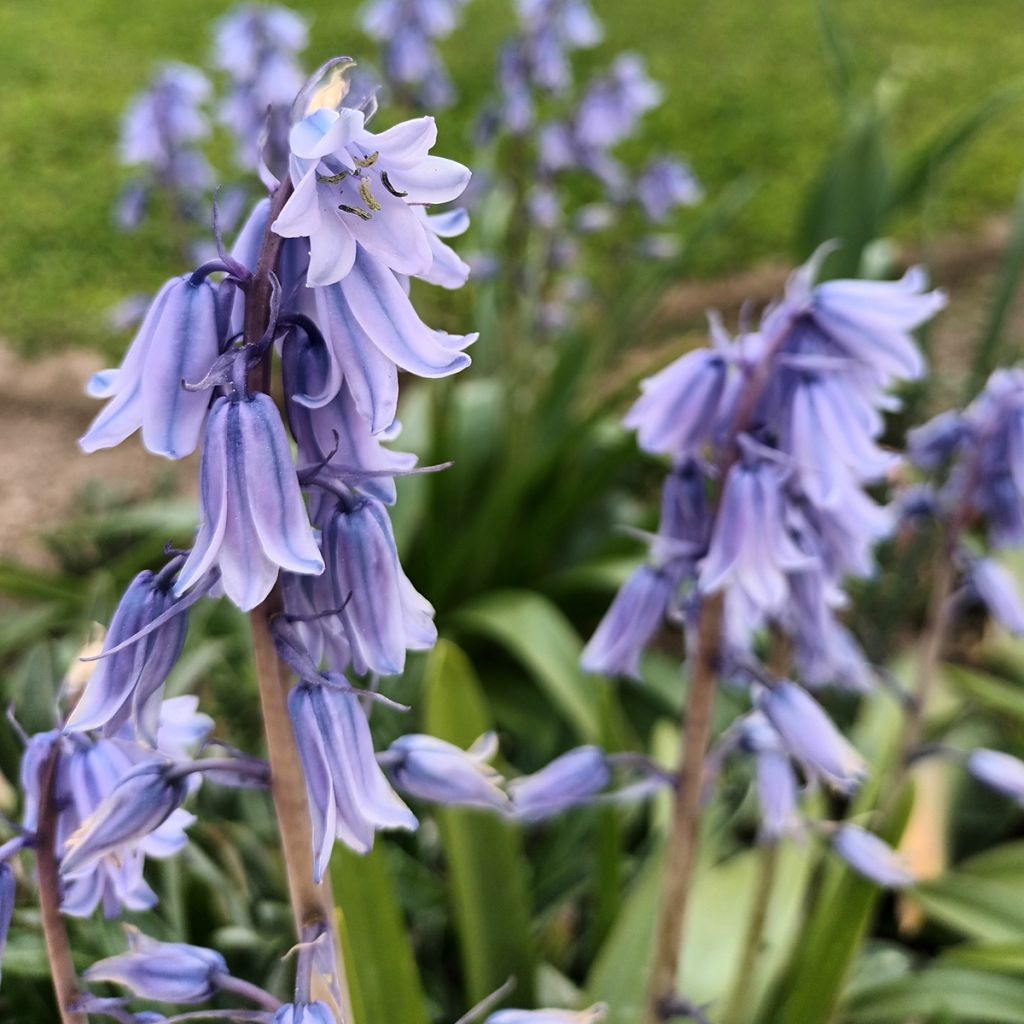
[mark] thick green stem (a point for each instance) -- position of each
(55, 935)
(681, 849)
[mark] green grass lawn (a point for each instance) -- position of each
(748, 94)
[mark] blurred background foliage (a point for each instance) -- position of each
(881, 124)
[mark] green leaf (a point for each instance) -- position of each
(987, 356)
(539, 636)
(996, 694)
(383, 960)
(963, 995)
(998, 957)
(487, 872)
(983, 898)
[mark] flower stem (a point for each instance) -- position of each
(936, 626)
(738, 1009)
(681, 851)
(312, 904)
(247, 990)
(55, 935)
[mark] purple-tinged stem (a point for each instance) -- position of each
(681, 849)
(55, 934)
(312, 904)
(247, 990)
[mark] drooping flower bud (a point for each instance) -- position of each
(872, 857)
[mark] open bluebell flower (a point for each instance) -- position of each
(178, 341)
(666, 185)
(303, 1013)
(349, 797)
(168, 972)
(252, 517)
(140, 802)
(810, 736)
(872, 857)
(591, 1015)
(380, 613)
(752, 548)
(431, 769)
(677, 412)
(373, 330)
(257, 45)
(633, 618)
(354, 190)
(573, 778)
(87, 773)
(999, 771)
(143, 643)
(551, 30)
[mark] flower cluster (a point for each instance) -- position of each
(408, 32)
(160, 136)
(257, 46)
(782, 426)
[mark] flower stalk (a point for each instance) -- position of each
(681, 851)
(55, 934)
(312, 904)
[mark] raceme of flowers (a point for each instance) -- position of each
(773, 438)
(350, 225)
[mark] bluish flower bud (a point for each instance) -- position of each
(134, 809)
(431, 769)
(168, 972)
(932, 445)
(809, 735)
(303, 1013)
(612, 106)
(349, 796)
(999, 771)
(665, 185)
(252, 517)
(381, 614)
(7, 894)
(128, 681)
(872, 857)
(570, 780)
(179, 340)
(777, 789)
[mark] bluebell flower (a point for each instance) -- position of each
(613, 104)
(997, 589)
(167, 972)
(999, 771)
(333, 434)
(140, 802)
(591, 1015)
(933, 444)
(373, 331)
(303, 1013)
(810, 736)
(872, 857)
(87, 773)
(178, 341)
(777, 789)
(252, 517)
(677, 413)
(635, 615)
(143, 643)
(752, 548)
(381, 615)
(354, 188)
(257, 45)
(439, 772)
(571, 779)
(551, 30)
(666, 185)
(349, 797)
